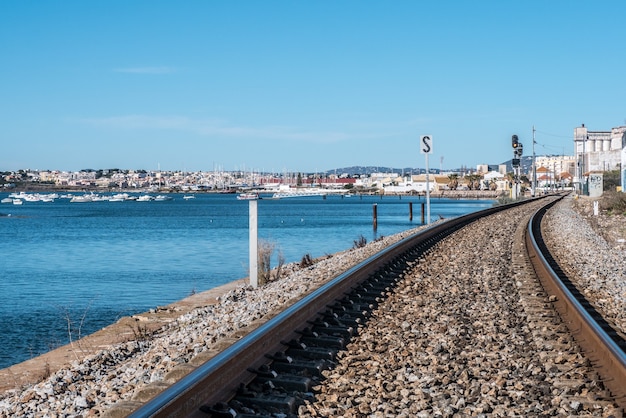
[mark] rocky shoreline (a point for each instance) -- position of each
(91, 377)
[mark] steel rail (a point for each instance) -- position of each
(218, 379)
(601, 343)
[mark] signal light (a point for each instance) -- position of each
(515, 141)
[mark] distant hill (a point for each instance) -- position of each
(367, 170)
(526, 165)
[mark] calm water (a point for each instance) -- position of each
(92, 263)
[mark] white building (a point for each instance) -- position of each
(557, 164)
(487, 168)
(495, 178)
(598, 150)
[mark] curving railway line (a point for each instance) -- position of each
(274, 368)
(605, 346)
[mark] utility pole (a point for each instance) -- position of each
(534, 187)
(584, 167)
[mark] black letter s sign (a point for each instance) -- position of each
(425, 144)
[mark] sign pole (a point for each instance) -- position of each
(427, 192)
(426, 147)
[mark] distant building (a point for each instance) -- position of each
(557, 166)
(487, 168)
(495, 180)
(598, 150)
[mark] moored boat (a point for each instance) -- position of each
(81, 198)
(248, 196)
(283, 195)
(119, 197)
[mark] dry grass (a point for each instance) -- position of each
(613, 203)
(610, 223)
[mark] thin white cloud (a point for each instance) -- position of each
(145, 70)
(220, 128)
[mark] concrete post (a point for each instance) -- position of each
(253, 229)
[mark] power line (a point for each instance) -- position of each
(561, 148)
(554, 147)
(554, 135)
(549, 146)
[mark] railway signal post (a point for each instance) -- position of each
(515, 162)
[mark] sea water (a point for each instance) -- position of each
(69, 269)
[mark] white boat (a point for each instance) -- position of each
(81, 198)
(188, 196)
(6, 200)
(18, 201)
(162, 198)
(283, 195)
(248, 196)
(144, 198)
(98, 198)
(119, 197)
(31, 197)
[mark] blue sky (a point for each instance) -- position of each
(302, 85)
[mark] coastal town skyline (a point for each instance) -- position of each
(337, 171)
(278, 86)
(552, 167)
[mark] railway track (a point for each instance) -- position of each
(274, 368)
(604, 346)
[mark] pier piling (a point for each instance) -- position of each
(375, 216)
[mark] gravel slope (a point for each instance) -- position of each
(467, 333)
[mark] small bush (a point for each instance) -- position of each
(306, 261)
(613, 203)
(265, 253)
(610, 180)
(360, 242)
(140, 333)
(46, 371)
